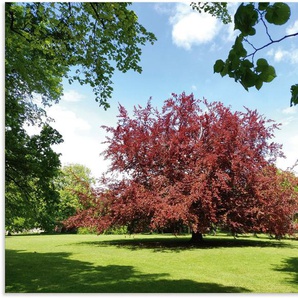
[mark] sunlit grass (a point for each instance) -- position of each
(149, 263)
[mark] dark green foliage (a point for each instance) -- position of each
(294, 92)
(278, 13)
(30, 166)
(245, 19)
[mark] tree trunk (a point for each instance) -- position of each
(196, 237)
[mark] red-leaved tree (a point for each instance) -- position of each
(196, 164)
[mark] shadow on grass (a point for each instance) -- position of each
(56, 273)
(290, 266)
(179, 244)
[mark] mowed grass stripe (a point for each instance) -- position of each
(149, 263)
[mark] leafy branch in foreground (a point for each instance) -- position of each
(241, 65)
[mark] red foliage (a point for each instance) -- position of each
(193, 166)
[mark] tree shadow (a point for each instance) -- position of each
(167, 244)
(290, 266)
(27, 272)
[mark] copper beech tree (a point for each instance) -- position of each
(196, 164)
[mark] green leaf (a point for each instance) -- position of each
(268, 74)
(259, 83)
(262, 64)
(263, 5)
(294, 92)
(218, 66)
(246, 63)
(245, 18)
(248, 79)
(278, 13)
(238, 47)
(234, 63)
(225, 70)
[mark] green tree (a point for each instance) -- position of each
(74, 181)
(30, 165)
(241, 64)
(45, 42)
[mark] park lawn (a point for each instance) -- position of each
(149, 263)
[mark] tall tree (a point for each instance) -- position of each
(241, 64)
(194, 163)
(44, 42)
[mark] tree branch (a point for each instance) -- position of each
(265, 25)
(98, 17)
(268, 44)
(14, 29)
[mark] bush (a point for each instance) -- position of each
(116, 231)
(86, 230)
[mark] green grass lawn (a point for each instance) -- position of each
(156, 264)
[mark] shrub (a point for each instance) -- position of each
(116, 231)
(86, 230)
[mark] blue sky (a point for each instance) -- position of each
(188, 44)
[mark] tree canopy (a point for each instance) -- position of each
(196, 164)
(44, 40)
(241, 64)
(30, 165)
(44, 43)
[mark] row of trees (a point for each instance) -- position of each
(194, 164)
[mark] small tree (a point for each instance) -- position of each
(74, 181)
(191, 165)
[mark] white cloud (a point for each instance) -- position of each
(231, 34)
(281, 55)
(292, 29)
(72, 96)
(290, 145)
(83, 150)
(192, 28)
(82, 143)
(81, 134)
(288, 137)
(290, 110)
(67, 121)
